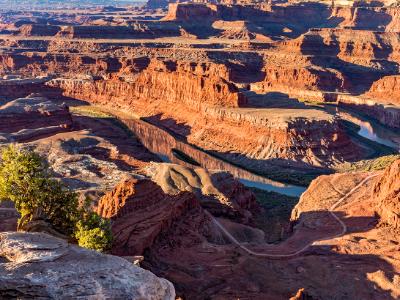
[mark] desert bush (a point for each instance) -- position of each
(26, 180)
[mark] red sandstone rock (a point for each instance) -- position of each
(193, 85)
(141, 212)
(218, 192)
(201, 102)
(26, 118)
(387, 195)
(386, 89)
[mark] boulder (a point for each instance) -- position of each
(37, 265)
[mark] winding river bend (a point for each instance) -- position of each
(170, 149)
(166, 147)
(372, 130)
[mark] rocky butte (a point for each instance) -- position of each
(239, 149)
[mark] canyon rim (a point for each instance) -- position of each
(224, 149)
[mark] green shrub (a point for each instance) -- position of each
(94, 233)
(25, 179)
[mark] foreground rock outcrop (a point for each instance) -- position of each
(180, 241)
(36, 265)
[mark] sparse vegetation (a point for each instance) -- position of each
(26, 180)
(93, 232)
(376, 164)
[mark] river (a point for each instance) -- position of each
(372, 130)
(166, 147)
(163, 144)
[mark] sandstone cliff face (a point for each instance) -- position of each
(368, 46)
(295, 80)
(195, 85)
(183, 12)
(138, 30)
(141, 212)
(386, 89)
(388, 115)
(387, 195)
(273, 134)
(15, 88)
(367, 18)
(43, 63)
(39, 30)
(201, 99)
(218, 192)
(191, 12)
(68, 271)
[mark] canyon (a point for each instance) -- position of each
(240, 149)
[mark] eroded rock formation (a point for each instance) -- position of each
(26, 118)
(230, 81)
(141, 212)
(218, 192)
(387, 194)
(207, 114)
(386, 89)
(195, 85)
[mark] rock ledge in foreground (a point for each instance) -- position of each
(37, 265)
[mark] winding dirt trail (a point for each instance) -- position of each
(121, 116)
(304, 248)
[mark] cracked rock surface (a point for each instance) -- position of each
(36, 265)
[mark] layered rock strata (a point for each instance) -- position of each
(386, 114)
(387, 194)
(134, 230)
(193, 85)
(274, 131)
(386, 90)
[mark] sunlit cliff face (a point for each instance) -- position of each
(240, 149)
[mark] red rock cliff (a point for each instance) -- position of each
(140, 211)
(195, 85)
(387, 194)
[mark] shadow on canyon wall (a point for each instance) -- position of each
(322, 270)
(357, 78)
(273, 100)
(163, 140)
(277, 22)
(169, 124)
(116, 133)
